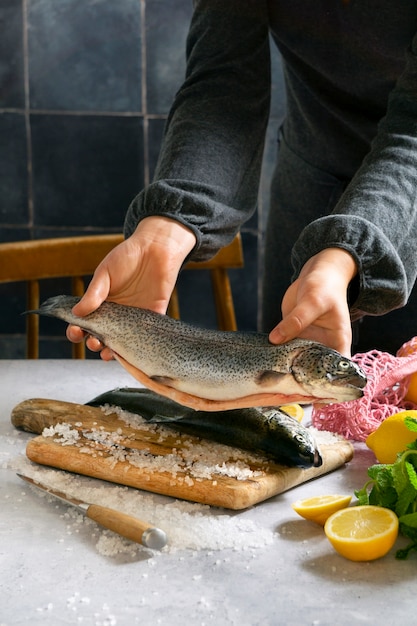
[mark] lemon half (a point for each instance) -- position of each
(362, 533)
(318, 508)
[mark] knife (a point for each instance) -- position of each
(121, 523)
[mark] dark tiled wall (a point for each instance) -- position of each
(85, 88)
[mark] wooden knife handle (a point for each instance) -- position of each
(128, 526)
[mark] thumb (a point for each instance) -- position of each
(97, 291)
(289, 328)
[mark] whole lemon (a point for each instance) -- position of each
(406, 350)
(411, 394)
(391, 437)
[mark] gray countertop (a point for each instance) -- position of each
(262, 566)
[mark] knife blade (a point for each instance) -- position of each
(121, 523)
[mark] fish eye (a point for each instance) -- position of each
(300, 438)
(344, 365)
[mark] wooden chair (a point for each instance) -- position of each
(77, 257)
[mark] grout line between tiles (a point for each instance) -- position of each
(146, 173)
(25, 30)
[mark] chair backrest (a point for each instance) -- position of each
(77, 257)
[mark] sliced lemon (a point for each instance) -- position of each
(391, 437)
(319, 508)
(362, 533)
(293, 410)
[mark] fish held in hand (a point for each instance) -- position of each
(214, 370)
(270, 432)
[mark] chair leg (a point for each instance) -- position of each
(78, 288)
(226, 318)
(32, 321)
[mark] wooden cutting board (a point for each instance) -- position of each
(158, 459)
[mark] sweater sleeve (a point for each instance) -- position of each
(208, 171)
(376, 218)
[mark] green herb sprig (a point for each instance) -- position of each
(394, 486)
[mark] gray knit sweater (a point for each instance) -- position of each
(351, 79)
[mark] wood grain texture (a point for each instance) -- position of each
(91, 457)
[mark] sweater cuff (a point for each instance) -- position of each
(381, 275)
(213, 223)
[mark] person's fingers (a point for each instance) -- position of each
(75, 334)
(106, 354)
(94, 344)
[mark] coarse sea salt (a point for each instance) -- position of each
(64, 433)
(188, 462)
(189, 526)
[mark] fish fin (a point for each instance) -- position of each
(266, 378)
(160, 419)
(168, 381)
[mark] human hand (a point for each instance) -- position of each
(141, 271)
(315, 305)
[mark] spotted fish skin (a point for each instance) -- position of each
(211, 364)
(270, 432)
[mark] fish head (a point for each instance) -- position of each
(325, 373)
(290, 440)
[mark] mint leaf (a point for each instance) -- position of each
(403, 553)
(405, 500)
(375, 470)
(410, 456)
(399, 477)
(383, 492)
(383, 497)
(411, 423)
(412, 474)
(362, 494)
(410, 522)
(408, 528)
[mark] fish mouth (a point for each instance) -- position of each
(347, 392)
(306, 460)
(317, 458)
(355, 387)
(355, 382)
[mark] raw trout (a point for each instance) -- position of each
(214, 370)
(270, 432)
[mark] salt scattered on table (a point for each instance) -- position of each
(189, 526)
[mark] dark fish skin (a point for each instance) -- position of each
(270, 432)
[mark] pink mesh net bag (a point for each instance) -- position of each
(388, 378)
